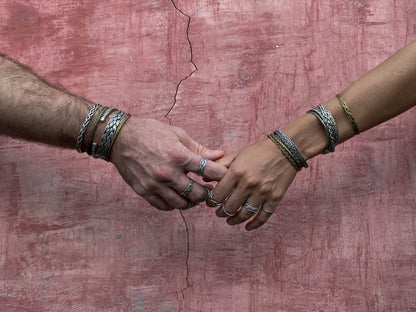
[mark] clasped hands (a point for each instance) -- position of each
(155, 158)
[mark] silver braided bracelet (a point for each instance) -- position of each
(297, 155)
(328, 121)
(84, 127)
(110, 130)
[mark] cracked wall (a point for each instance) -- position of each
(81, 240)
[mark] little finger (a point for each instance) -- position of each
(159, 203)
(264, 214)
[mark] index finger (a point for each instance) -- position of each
(208, 169)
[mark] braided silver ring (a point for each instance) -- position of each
(266, 211)
(226, 212)
(208, 191)
(188, 188)
(202, 165)
(212, 199)
(250, 208)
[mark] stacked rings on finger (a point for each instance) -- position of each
(188, 188)
(226, 212)
(250, 208)
(202, 165)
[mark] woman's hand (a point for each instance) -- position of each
(257, 179)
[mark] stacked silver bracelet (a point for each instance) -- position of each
(103, 148)
(293, 149)
(328, 121)
(84, 127)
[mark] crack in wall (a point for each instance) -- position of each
(188, 285)
(170, 122)
(192, 61)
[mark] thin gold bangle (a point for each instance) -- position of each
(348, 112)
(284, 150)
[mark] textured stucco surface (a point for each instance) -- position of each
(75, 237)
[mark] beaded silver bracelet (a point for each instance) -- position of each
(102, 150)
(293, 149)
(84, 127)
(328, 121)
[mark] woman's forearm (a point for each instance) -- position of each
(383, 93)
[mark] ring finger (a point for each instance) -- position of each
(188, 188)
(264, 214)
(249, 208)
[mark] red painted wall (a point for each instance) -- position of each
(74, 237)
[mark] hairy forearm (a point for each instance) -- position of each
(383, 93)
(32, 109)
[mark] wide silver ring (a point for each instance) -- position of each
(212, 199)
(250, 208)
(226, 212)
(202, 165)
(188, 187)
(266, 211)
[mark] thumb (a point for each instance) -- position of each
(211, 154)
(212, 171)
(196, 147)
(227, 160)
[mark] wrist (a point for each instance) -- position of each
(308, 135)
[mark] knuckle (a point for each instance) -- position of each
(277, 195)
(252, 181)
(149, 187)
(177, 156)
(180, 132)
(140, 190)
(264, 189)
(163, 174)
(238, 172)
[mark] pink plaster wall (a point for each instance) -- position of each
(74, 237)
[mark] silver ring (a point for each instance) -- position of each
(226, 212)
(207, 197)
(213, 200)
(202, 165)
(266, 211)
(188, 188)
(250, 208)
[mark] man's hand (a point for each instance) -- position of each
(154, 159)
